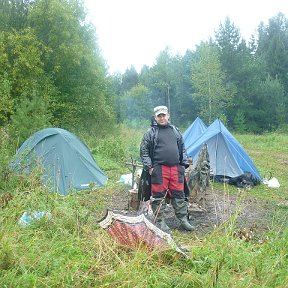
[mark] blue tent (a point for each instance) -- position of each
(193, 132)
(66, 161)
(227, 157)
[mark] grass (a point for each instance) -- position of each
(69, 249)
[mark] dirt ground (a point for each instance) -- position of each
(252, 215)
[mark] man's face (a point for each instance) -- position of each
(162, 119)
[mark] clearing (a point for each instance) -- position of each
(252, 216)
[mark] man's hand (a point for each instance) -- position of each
(150, 170)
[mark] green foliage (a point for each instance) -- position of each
(129, 79)
(52, 45)
(270, 97)
(4, 61)
(25, 55)
(53, 52)
(239, 122)
(273, 46)
(35, 251)
(68, 248)
(229, 40)
(211, 96)
(13, 14)
(243, 74)
(23, 82)
(116, 148)
(74, 62)
(6, 151)
(110, 148)
(6, 101)
(52, 73)
(31, 115)
(283, 128)
(136, 124)
(235, 80)
(135, 104)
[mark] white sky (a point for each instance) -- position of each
(133, 32)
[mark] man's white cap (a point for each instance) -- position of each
(160, 110)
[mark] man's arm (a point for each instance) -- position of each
(185, 158)
(145, 151)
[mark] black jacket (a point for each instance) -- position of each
(147, 148)
(149, 142)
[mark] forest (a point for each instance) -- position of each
(52, 73)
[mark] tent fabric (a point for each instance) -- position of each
(227, 156)
(193, 132)
(66, 161)
(132, 231)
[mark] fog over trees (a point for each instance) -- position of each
(52, 74)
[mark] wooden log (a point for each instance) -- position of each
(133, 199)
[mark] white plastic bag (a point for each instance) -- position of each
(272, 183)
(28, 217)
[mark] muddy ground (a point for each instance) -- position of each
(252, 216)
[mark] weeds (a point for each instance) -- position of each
(69, 249)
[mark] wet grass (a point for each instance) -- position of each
(69, 249)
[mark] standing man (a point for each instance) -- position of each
(164, 157)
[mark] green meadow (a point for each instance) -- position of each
(69, 249)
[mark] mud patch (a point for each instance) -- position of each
(246, 212)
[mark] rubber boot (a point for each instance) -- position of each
(180, 206)
(159, 213)
(186, 225)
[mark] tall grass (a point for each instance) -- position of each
(270, 155)
(69, 249)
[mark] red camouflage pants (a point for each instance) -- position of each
(168, 178)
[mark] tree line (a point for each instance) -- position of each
(52, 73)
(51, 70)
(245, 84)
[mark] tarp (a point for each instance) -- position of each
(193, 132)
(227, 156)
(134, 231)
(66, 161)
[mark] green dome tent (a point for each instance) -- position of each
(66, 161)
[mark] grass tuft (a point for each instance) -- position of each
(69, 249)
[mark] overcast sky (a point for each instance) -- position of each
(133, 32)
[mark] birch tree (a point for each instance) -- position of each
(211, 96)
